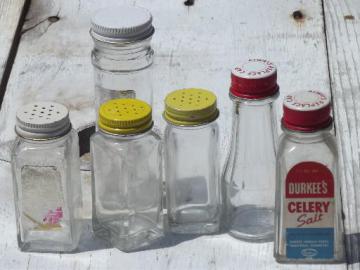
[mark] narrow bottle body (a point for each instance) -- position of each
(47, 187)
(192, 178)
(122, 71)
(249, 172)
(127, 189)
(308, 205)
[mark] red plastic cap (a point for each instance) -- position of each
(306, 111)
(254, 79)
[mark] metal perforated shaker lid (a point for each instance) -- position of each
(127, 23)
(42, 120)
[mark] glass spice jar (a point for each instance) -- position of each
(127, 175)
(122, 54)
(46, 176)
(192, 161)
(309, 227)
(249, 172)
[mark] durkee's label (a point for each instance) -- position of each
(309, 209)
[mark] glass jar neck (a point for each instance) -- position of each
(124, 137)
(308, 137)
(46, 140)
(254, 102)
(135, 55)
(259, 111)
(254, 125)
(195, 127)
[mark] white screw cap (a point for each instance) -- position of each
(42, 120)
(123, 22)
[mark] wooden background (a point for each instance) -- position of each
(45, 55)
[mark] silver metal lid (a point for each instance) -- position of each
(127, 23)
(42, 120)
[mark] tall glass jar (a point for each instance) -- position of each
(127, 175)
(46, 176)
(122, 54)
(192, 161)
(249, 172)
(308, 204)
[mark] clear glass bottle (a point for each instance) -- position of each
(192, 162)
(249, 171)
(309, 227)
(122, 54)
(127, 175)
(46, 176)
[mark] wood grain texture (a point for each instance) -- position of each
(195, 47)
(10, 17)
(343, 30)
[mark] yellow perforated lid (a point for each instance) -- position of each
(190, 107)
(125, 116)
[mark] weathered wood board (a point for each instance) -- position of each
(342, 31)
(195, 47)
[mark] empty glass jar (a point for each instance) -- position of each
(46, 174)
(192, 161)
(249, 172)
(122, 54)
(127, 175)
(309, 226)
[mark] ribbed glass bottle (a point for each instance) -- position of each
(192, 162)
(46, 174)
(127, 175)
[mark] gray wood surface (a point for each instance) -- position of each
(195, 46)
(342, 31)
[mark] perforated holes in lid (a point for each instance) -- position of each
(125, 116)
(191, 106)
(41, 120)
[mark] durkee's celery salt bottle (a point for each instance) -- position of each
(249, 172)
(192, 161)
(122, 54)
(308, 205)
(46, 174)
(127, 178)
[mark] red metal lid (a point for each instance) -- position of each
(306, 111)
(254, 79)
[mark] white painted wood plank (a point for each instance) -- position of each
(10, 11)
(343, 30)
(195, 47)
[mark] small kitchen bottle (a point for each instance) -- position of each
(192, 161)
(46, 179)
(249, 172)
(127, 175)
(122, 54)
(308, 204)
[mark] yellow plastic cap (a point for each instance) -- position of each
(125, 116)
(190, 107)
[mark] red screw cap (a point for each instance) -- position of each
(306, 111)
(254, 79)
